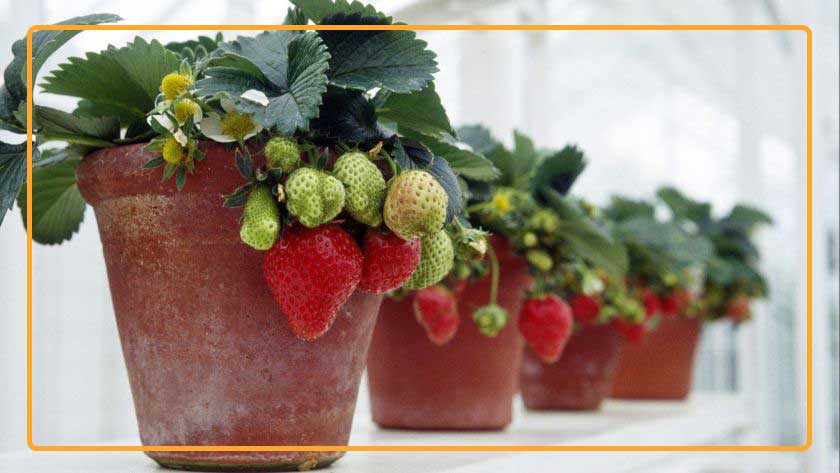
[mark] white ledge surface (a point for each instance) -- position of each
(705, 419)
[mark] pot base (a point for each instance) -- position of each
(466, 384)
(580, 379)
(660, 367)
(238, 461)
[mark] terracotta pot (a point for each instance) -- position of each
(660, 367)
(580, 379)
(466, 384)
(210, 358)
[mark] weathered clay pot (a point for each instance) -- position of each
(660, 367)
(466, 384)
(580, 379)
(210, 358)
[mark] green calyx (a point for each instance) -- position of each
(436, 259)
(313, 196)
(490, 319)
(282, 153)
(364, 185)
(261, 220)
(470, 244)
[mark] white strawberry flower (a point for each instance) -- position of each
(233, 126)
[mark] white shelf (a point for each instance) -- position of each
(704, 419)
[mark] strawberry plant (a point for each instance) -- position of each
(731, 277)
(569, 250)
(350, 167)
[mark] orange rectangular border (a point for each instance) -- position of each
(432, 448)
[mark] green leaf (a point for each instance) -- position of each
(346, 115)
(231, 81)
(504, 161)
(684, 208)
(524, 159)
(306, 83)
(59, 125)
(463, 161)
(363, 60)
(295, 16)
(478, 137)
(745, 218)
(121, 82)
(12, 174)
(317, 10)
(559, 170)
(57, 207)
(45, 43)
(268, 51)
(8, 107)
(622, 208)
(586, 239)
(195, 49)
(421, 111)
(288, 67)
(666, 241)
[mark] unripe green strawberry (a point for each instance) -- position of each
(283, 153)
(529, 240)
(415, 205)
(260, 222)
(313, 196)
(540, 260)
(365, 187)
(436, 258)
(490, 319)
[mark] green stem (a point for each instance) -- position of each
(494, 274)
(391, 162)
(476, 207)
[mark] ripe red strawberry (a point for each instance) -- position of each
(546, 323)
(675, 302)
(389, 261)
(651, 302)
(633, 332)
(311, 273)
(738, 308)
(585, 308)
(437, 311)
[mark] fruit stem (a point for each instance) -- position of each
(391, 162)
(494, 274)
(477, 207)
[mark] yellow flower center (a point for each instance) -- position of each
(173, 152)
(174, 84)
(237, 125)
(500, 203)
(184, 109)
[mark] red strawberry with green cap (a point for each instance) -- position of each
(633, 332)
(546, 323)
(585, 308)
(437, 311)
(389, 261)
(650, 301)
(311, 273)
(738, 308)
(674, 302)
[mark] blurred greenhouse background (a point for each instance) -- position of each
(719, 114)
